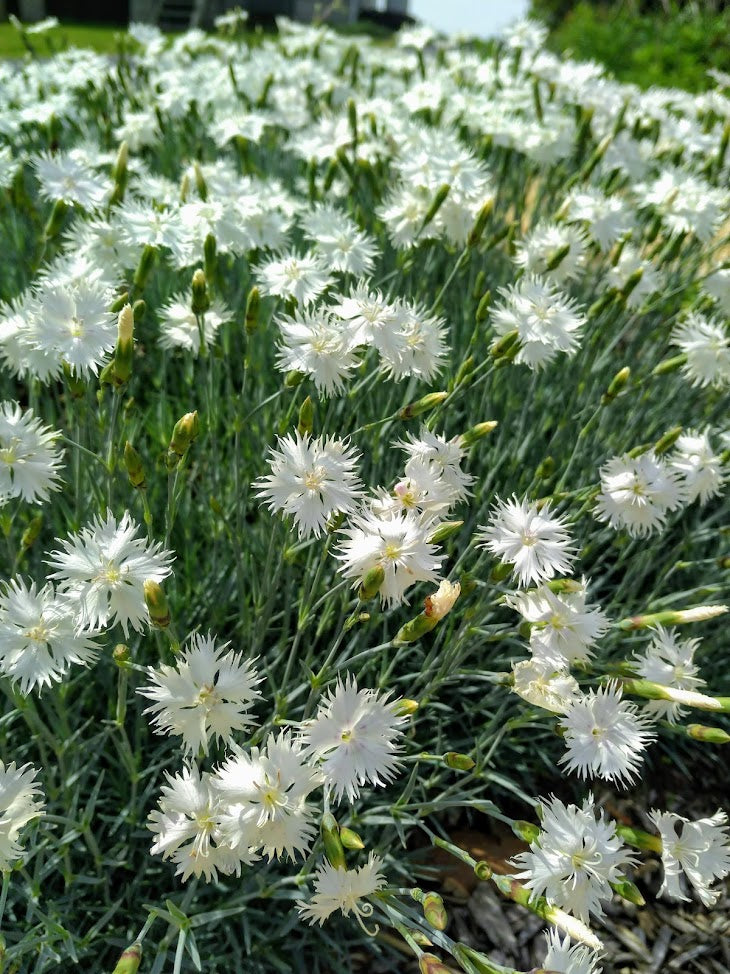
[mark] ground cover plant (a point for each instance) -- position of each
(363, 440)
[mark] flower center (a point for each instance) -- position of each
(392, 551)
(314, 478)
(76, 327)
(39, 633)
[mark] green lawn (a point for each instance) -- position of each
(67, 35)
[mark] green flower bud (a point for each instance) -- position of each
(505, 344)
(124, 351)
(135, 468)
(556, 258)
(617, 384)
(294, 379)
(350, 839)
(483, 871)
(306, 417)
(201, 301)
(121, 655)
(423, 405)
(710, 735)
(667, 441)
(628, 891)
(371, 583)
(483, 306)
(406, 707)
(444, 531)
(332, 842)
(200, 183)
(434, 911)
(670, 365)
(476, 433)
(526, 831)
(210, 258)
(119, 303)
(129, 960)
(144, 267)
(185, 431)
(430, 964)
(459, 762)
(56, 219)
(436, 203)
(30, 535)
(253, 303)
(156, 602)
(477, 231)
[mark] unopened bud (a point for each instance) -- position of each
(444, 531)
(670, 617)
(306, 417)
(423, 405)
(201, 301)
(156, 602)
(477, 231)
(556, 258)
(120, 174)
(294, 379)
(200, 183)
(616, 385)
(483, 306)
(185, 431)
(628, 891)
(545, 469)
(430, 964)
(526, 831)
(441, 602)
(371, 583)
(500, 572)
(30, 535)
(253, 303)
(667, 441)
(632, 282)
(129, 960)
(135, 468)
(352, 119)
(436, 203)
(331, 841)
(414, 629)
(124, 351)
(144, 267)
(405, 707)
(435, 911)
(140, 309)
(709, 735)
(476, 433)
(483, 871)
(670, 365)
(350, 839)
(121, 655)
(458, 762)
(504, 345)
(119, 303)
(210, 259)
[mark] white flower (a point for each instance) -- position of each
(525, 536)
(354, 738)
(605, 735)
(669, 661)
(343, 889)
(416, 347)
(638, 492)
(574, 859)
(187, 828)
(104, 568)
(540, 682)
(179, 325)
(432, 452)
(370, 318)
(293, 276)
(546, 321)
(343, 247)
(20, 802)
(706, 343)
(268, 783)
(76, 325)
(563, 629)
(39, 637)
(398, 543)
(311, 479)
(29, 464)
(687, 203)
(63, 178)
(608, 218)
(699, 851)
(207, 694)
(717, 285)
(701, 467)
(540, 246)
(316, 344)
(630, 261)
(561, 958)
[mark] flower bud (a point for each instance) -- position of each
(140, 309)
(436, 203)
(210, 258)
(672, 617)
(352, 119)
(135, 468)
(124, 351)
(483, 871)
(617, 384)
(306, 417)
(710, 735)
(331, 840)
(500, 572)
(119, 303)
(405, 707)
(185, 431)
(670, 365)
(556, 258)
(430, 964)
(458, 762)
(632, 282)
(504, 345)
(476, 433)
(121, 655)
(350, 839)
(545, 469)
(628, 891)
(526, 831)
(201, 301)
(445, 530)
(434, 911)
(156, 602)
(129, 960)
(200, 183)
(30, 535)
(483, 307)
(442, 600)
(144, 267)
(667, 441)
(423, 405)
(294, 379)
(639, 839)
(477, 231)
(370, 585)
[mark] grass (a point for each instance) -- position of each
(96, 37)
